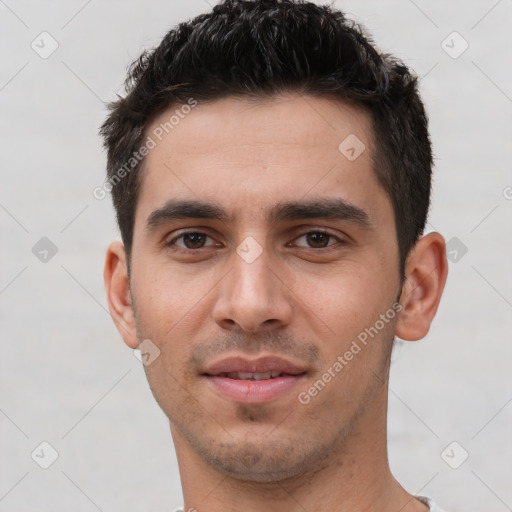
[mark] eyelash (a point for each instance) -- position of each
(196, 251)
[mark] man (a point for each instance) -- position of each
(271, 175)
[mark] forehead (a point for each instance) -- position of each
(289, 122)
(250, 155)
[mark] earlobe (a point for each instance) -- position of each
(426, 272)
(117, 287)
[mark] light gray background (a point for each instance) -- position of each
(66, 376)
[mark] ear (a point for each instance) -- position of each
(426, 270)
(119, 297)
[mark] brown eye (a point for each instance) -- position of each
(193, 240)
(318, 239)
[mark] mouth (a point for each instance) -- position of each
(254, 375)
(245, 380)
(254, 387)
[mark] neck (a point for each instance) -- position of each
(354, 477)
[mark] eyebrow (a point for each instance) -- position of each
(324, 208)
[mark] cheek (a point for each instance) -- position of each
(346, 299)
(343, 315)
(173, 309)
(165, 294)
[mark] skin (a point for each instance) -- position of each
(304, 298)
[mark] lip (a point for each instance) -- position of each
(253, 391)
(259, 365)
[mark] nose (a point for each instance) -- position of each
(253, 296)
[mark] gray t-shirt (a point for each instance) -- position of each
(432, 507)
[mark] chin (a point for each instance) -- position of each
(263, 470)
(262, 462)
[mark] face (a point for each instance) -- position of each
(258, 267)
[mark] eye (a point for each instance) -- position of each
(318, 239)
(192, 241)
